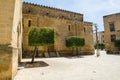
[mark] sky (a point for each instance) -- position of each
(93, 10)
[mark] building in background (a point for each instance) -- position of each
(65, 23)
(112, 30)
(100, 37)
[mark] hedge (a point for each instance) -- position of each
(74, 41)
(41, 36)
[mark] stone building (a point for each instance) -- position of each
(100, 37)
(10, 37)
(65, 23)
(14, 31)
(112, 30)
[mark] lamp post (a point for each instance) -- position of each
(97, 42)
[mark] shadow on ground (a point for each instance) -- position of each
(74, 57)
(33, 65)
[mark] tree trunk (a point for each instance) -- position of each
(48, 50)
(74, 51)
(77, 51)
(34, 54)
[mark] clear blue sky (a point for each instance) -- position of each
(93, 10)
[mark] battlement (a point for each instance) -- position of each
(36, 9)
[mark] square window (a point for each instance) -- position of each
(112, 27)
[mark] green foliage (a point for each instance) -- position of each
(41, 36)
(75, 41)
(100, 46)
(117, 43)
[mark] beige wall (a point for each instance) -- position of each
(34, 9)
(114, 18)
(6, 21)
(10, 21)
(88, 35)
(16, 35)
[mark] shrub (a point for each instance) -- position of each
(41, 36)
(117, 43)
(100, 46)
(74, 41)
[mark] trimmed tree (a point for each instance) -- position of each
(74, 42)
(100, 46)
(40, 37)
(117, 43)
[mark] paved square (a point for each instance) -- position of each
(105, 67)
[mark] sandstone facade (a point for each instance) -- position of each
(10, 37)
(112, 30)
(65, 23)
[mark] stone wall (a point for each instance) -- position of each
(35, 9)
(16, 42)
(88, 35)
(61, 26)
(5, 62)
(6, 21)
(10, 37)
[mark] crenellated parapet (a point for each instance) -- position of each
(36, 9)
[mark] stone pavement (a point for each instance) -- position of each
(105, 67)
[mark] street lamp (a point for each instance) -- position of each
(97, 42)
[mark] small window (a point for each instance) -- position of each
(69, 28)
(112, 27)
(113, 38)
(84, 29)
(29, 23)
(29, 11)
(47, 14)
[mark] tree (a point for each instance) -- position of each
(117, 43)
(100, 46)
(75, 42)
(40, 37)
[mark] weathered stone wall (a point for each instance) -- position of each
(5, 62)
(16, 36)
(6, 21)
(88, 35)
(35, 9)
(10, 37)
(61, 26)
(113, 18)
